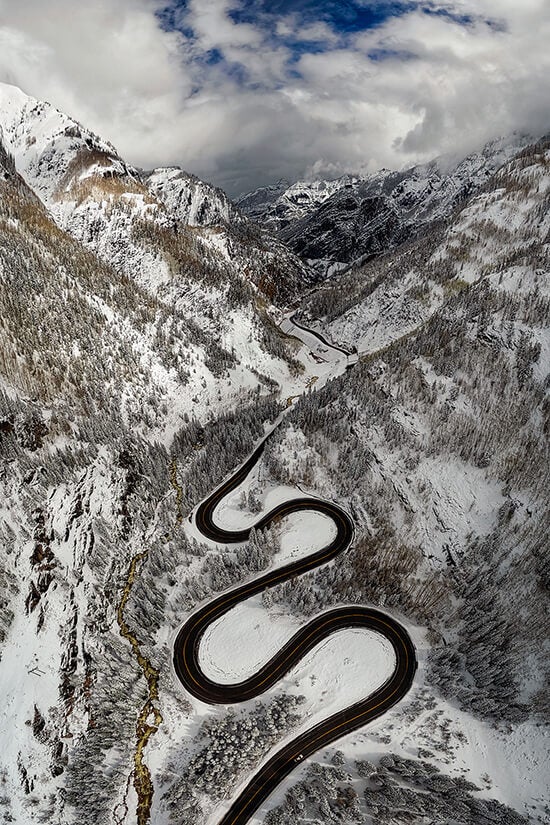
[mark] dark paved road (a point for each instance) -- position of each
(318, 335)
(187, 644)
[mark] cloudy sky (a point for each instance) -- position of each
(243, 92)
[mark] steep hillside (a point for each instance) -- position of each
(244, 248)
(375, 304)
(155, 227)
(195, 202)
(438, 444)
(334, 223)
(283, 204)
(98, 372)
(76, 330)
(139, 366)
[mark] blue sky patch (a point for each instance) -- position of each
(343, 18)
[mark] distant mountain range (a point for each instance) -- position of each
(142, 358)
(331, 224)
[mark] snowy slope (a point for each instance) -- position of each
(139, 366)
(258, 203)
(334, 223)
(44, 141)
(98, 371)
(203, 293)
(195, 202)
(437, 443)
(150, 226)
(282, 204)
(395, 294)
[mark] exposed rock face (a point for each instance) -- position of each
(135, 219)
(334, 223)
(139, 365)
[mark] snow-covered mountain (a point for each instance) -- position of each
(258, 203)
(334, 223)
(437, 441)
(194, 202)
(375, 304)
(139, 365)
(136, 220)
(283, 203)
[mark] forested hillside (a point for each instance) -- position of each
(141, 361)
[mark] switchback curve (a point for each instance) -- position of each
(186, 646)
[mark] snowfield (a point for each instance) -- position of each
(237, 645)
(147, 346)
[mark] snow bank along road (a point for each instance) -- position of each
(186, 648)
(318, 335)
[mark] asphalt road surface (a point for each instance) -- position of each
(318, 335)
(187, 644)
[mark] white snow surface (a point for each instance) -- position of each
(194, 202)
(348, 665)
(243, 640)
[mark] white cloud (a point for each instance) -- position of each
(292, 27)
(417, 86)
(108, 64)
(216, 30)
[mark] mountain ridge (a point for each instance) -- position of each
(140, 364)
(334, 224)
(94, 194)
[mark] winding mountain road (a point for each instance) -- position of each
(186, 647)
(319, 337)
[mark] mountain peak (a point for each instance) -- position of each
(12, 99)
(334, 223)
(43, 140)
